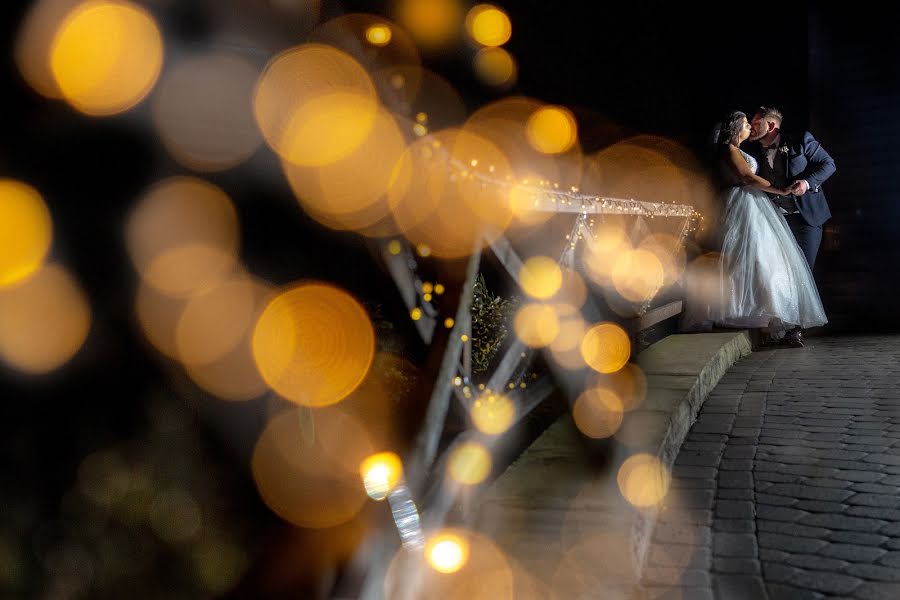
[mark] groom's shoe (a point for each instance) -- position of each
(794, 338)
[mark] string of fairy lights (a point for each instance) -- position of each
(545, 197)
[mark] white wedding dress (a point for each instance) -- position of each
(761, 279)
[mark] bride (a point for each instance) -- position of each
(763, 280)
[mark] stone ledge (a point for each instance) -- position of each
(558, 505)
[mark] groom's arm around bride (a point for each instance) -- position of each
(801, 163)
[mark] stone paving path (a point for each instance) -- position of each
(788, 484)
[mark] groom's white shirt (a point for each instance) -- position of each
(772, 150)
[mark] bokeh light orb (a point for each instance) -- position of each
(203, 113)
(537, 325)
(106, 56)
(26, 231)
(469, 463)
(34, 40)
(606, 347)
(493, 413)
(314, 104)
(638, 274)
(488, 25)
(303, 471)
(495, 67)
(541, 277)
(183, 236)
(44, 321)
(434, 24)
(598, 413)
(643, 480)
(314, 344)
(552, 130)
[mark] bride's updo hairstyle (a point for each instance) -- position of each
(729, 128)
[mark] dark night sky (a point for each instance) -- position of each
(655, 67)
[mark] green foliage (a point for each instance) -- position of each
(490, 324)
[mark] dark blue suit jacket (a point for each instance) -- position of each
(805, 159)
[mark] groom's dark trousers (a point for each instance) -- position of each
(809, 237)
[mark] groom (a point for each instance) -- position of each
(800, 163)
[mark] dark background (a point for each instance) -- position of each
(647, 67)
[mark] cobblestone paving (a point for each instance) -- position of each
(788, 484)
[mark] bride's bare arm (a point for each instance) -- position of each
(737, 161)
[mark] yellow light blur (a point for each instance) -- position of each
(448, 211)
(380, 474)
(202, 114)
(485, 573)
(670, 252)
(306, 478)
(314, 344)
(540, 277)
(643, 480)
(469, 463)
(552, 130)
(43, 321)
(628, 383)
(33, 42)
(394, 247)
(214, 323)
(536, 325)
(183, 236)
(493, 413)
(447, 552)
(448, 323)
(434, 24)
(106, 56)
(488, 25)
(438, 289)
(572, 328)
(349, 193)
(378, 35)
(598, 413)
(415, 314)
(427, 287)
(573, 290)
(606, 348)
(314, 105)
(233, 376)
(26, 231)
(637, 275)
(157, 315)
(609, 241)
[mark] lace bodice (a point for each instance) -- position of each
(729, 173)
(754, 166)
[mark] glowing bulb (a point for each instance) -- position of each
(448, 323)
(378, 35)
(380, 474)
(447, 552)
